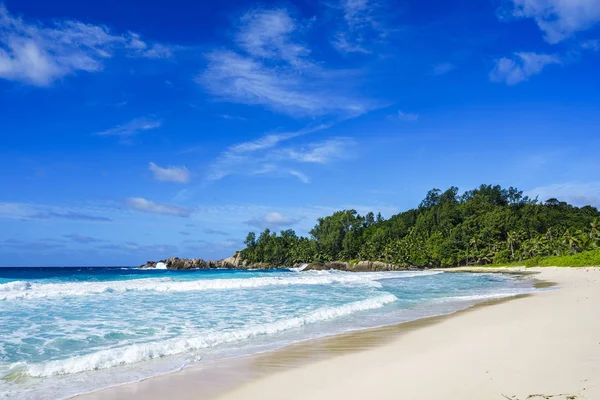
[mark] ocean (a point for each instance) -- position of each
(65, 331)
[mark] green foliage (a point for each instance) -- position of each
(487, 225)
(584, 259)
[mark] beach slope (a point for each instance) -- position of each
(544, 346)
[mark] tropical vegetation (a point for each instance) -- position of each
(487, 225)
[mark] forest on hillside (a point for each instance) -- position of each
(486, 225)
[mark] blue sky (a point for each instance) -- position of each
(132, 131)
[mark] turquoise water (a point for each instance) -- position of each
(65, 331)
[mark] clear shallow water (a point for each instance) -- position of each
(65, 331)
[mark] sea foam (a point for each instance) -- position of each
(147, 351)
(31, 290)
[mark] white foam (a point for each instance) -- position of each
(482, 297)
(32, 290)
(147, 351)
(300, 268)
(160, 265)
(14, 286)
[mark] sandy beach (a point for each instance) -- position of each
(541, 346)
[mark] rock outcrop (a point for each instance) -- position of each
(360, 266)
(237, 262)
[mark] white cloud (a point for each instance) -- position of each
(273, 220)
(38, 54)
(273, 69)
(141, 204)
(559, 19)
(132, 128)
(521, 67)
(170, 173)
(576, 193)
(409, 117)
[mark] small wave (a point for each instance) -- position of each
(14, 286)
(148, 351)
(482, 297)
(32, 290)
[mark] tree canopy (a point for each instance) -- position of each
(482, 226)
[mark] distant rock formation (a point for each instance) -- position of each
(237, 262)
(195, 263)
(360, 266)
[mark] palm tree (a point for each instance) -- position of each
(571, 241)
(512, 240)
(595, 233)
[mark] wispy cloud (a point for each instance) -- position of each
(132, 128)
(301, 176)
(233, 117)
(272, 68)
(272, 220)
(320, 152)
(170, 173)
(344, 44)
(558, 19)
(152, 251)
(38, 54)
(210, 231)
(577, 193)
(211, 249)
(268, 34)
(31, 246)
(140, 48)
(521, 67)
(141, 204)
(252, 157)
(362, 26)
(76, 216)
(27, 211)
(409, 117)
(79, 238)
(267, 156)
(593, 45)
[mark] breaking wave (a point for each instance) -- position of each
(33, 290)
(147, 351)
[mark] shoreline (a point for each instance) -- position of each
(294, 355)
(227, 377)
(540, 346)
